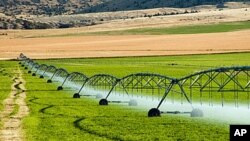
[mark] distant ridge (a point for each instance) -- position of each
(45, 14)
(58, 7)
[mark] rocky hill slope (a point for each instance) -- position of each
(58, 7)
(43, 14)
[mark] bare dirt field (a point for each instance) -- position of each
(127, 45)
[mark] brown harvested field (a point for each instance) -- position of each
(126, 45)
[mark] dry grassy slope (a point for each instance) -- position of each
(51, 7)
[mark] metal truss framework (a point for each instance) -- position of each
(73, 79)
(39, 69)
(32, 66)
(97, 81)
(49, 71)
(223, 80)
(59, 73)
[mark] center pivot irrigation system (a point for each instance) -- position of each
(214, 86)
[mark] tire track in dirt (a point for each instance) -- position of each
(15, 110)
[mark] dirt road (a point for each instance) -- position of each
(15, 110)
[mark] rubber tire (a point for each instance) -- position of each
(41, 77)
(154, 112)
(76, 95)
(29, 71)
(49, 81)
(26, 68)
(132, 102)
(196, 113)
(59, 88)
(103, 102)
(33, 74)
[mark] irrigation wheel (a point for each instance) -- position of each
(103, 102)
(76, 95)
(154, 112)
(59, 88)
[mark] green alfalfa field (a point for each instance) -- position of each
(55, 115)
(189, 29)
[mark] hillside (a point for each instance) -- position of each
(58, 7)
(44, 14)
(46, 7)
(120, 5)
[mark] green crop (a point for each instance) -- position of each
(189, 29)
(174, 66)
(55, 115)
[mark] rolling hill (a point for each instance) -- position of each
(58, 7)
(26, 14)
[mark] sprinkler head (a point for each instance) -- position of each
(98, 96)
(196, 113)
(132, 102)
